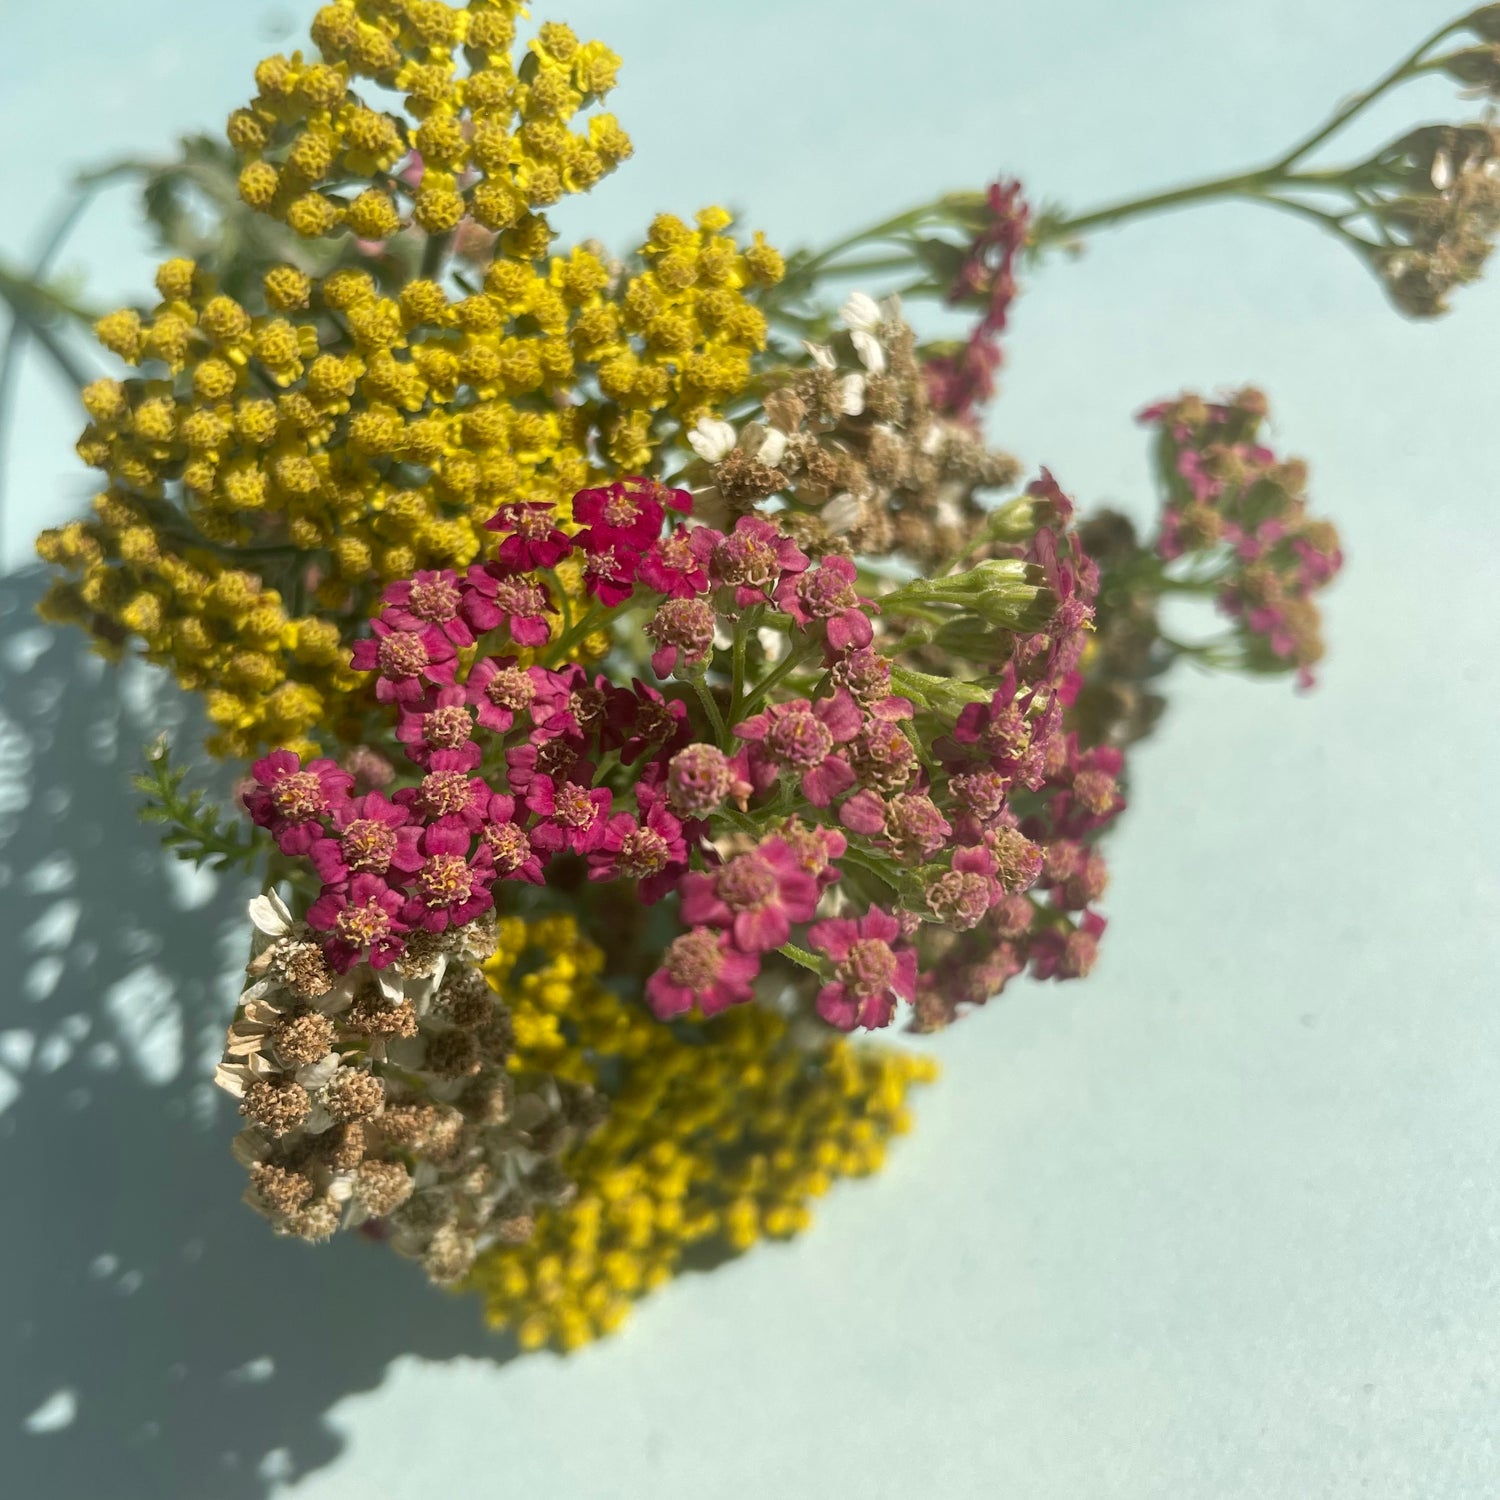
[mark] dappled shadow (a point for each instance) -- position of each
(159, 1341)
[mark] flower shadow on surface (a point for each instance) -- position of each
(158, 1340)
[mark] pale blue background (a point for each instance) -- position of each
(1222, 1222)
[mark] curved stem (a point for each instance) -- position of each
(1386, 81)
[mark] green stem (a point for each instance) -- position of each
(774, 679)
(711, 709)
(1386, 81)
(801, 956)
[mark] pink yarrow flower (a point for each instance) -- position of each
(701, 968)
(429, 598)
(802, 737)
(827, 593)
(291, 799)
(759, 896)
(672, 567)
(871, 969)
(405, 659)
(372, 836)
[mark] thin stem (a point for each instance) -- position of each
(1359, 101)
(711, 709)
(804, 958)
(1235, 184)
(433, 253)
(794, 659)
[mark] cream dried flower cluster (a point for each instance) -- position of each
(386, 1095)
(852, 451)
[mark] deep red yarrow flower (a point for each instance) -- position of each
(290, 799)
(628, 513)
(429, 598)
(363, 920)
(702, 968)
(532, 537)
(371, 836)
(871, 969)
(559, 756)
(643, 722)
(759, 896)
(802, 737)
(405, 660)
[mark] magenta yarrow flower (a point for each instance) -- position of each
(683, 630)
(448, 790)
(871, 972)
(429, 598)
(533, 539)
(752, 560)
(651, 850)
(628, 513)
(450, 888)
(505, 694)
(363, 920)
(609, 568)
(672, 567)
(758, 895)
(571, 816)
(441, 720)
(802, 737)
(827, 593)
(520, 605)
(1068, 954)
(372, 836)
(702, 968)
(405, 659)
(508, 843)
(699, 780)
(290, 799)
(960, 897)
(865, 673)
(815, 848)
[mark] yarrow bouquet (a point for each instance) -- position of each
(642, 675)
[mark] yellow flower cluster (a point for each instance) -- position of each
(717, 1138)
(492, 137)
(276, 464)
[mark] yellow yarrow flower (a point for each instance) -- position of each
(724, 1138)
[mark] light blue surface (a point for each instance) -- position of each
(1221, 1222)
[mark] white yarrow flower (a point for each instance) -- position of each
(861, 313)
(712, 439)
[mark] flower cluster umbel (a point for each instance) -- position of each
(796, 788)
